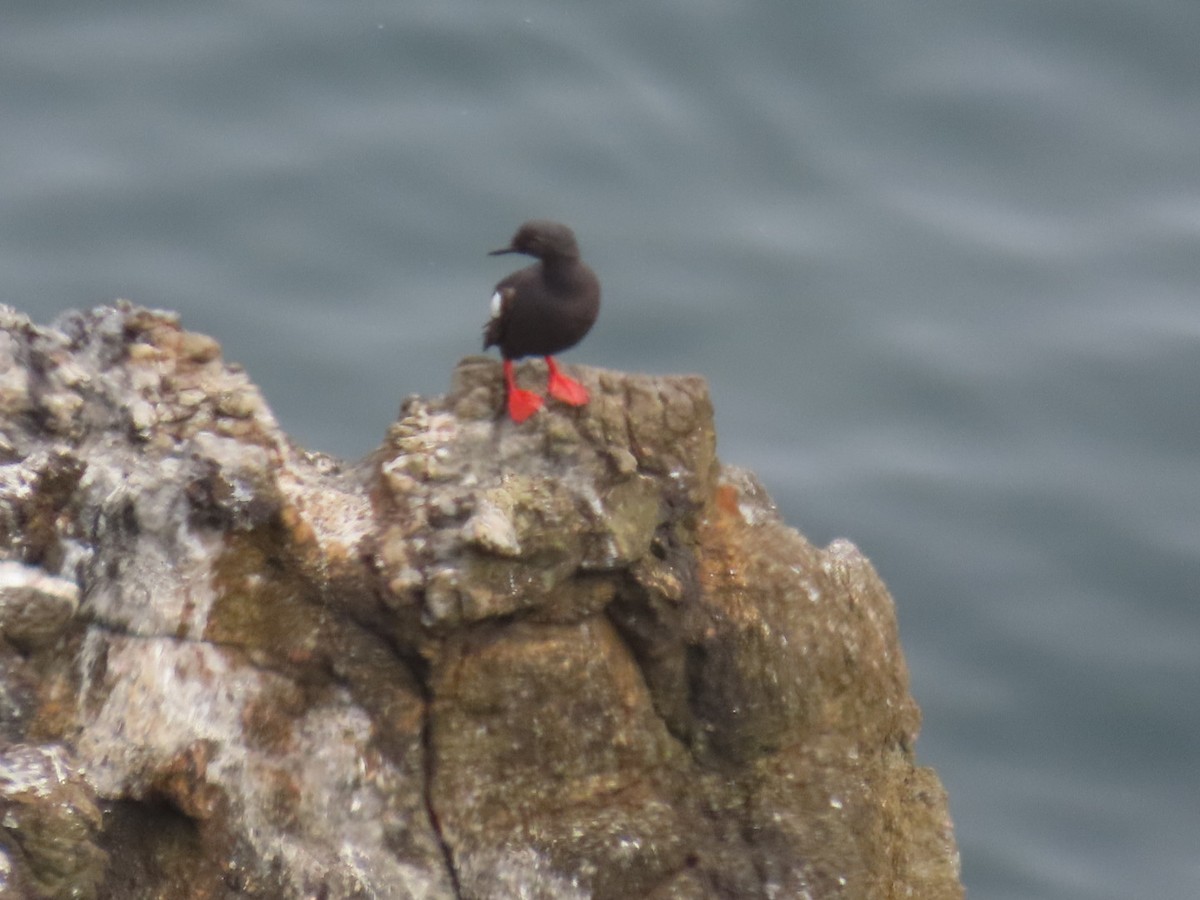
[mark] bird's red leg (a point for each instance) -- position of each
(563, 388)
(521, 404)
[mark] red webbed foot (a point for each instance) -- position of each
(563, 388)
(521, 403)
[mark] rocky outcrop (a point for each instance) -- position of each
(573, 658)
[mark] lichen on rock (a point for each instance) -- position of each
(572, 658)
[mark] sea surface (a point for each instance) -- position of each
(939, 261)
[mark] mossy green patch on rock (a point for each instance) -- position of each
(261, 604)
(50, 814)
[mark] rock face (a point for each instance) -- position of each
(576, 658)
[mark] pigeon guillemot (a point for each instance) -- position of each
(541, 310)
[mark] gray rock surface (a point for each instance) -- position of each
(573, 658)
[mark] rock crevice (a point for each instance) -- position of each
(573, 658)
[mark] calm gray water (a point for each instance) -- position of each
(940, 263)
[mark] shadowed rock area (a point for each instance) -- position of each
(575, 658)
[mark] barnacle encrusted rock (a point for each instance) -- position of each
(573, 658)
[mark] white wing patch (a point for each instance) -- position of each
(497, 302)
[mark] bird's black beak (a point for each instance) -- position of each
(502, 252)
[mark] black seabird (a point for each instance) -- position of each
(541, 310)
